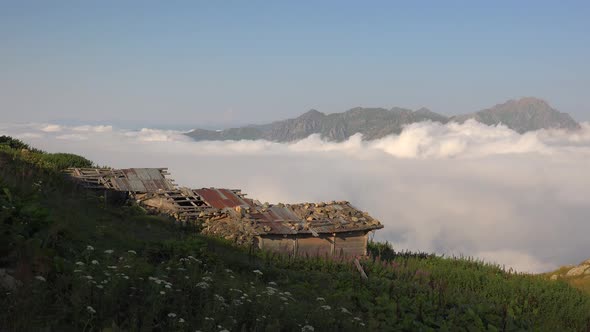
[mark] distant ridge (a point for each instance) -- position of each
(522, 115)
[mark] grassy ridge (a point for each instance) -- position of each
(86, 265)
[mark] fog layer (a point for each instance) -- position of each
(519, 200)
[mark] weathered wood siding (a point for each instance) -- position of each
(347, 244)
(315, 246)
(353, 244)
(277, 243)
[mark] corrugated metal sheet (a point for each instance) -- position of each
(144, 180)
(222, 198)
(138, 180)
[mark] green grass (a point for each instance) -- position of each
(161, 276)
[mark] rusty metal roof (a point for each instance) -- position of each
(222, 198)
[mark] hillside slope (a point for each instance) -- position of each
(79, 263)
(521, 115)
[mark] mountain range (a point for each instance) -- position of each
(521, 115)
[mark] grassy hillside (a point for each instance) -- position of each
(579, 280)
(85, 265)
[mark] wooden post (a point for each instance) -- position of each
(359, 267)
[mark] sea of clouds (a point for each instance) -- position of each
(522, 201)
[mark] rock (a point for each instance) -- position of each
(7, 281)
(577, 271)
(553, 277)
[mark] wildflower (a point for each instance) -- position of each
(88, 277)
(77, 271)
(307, 328)
(168, 286)
(112, 267)
(203, 285)
(180, 320)
(94, 262)
(358, 319)
(320, 299)
(219, 297)
(90, 309)
(362, 324)
(99, 286)
(40, 278)
(284, 298)
(326, 307)
(287, 293)
(109, 251)
(344, 310)
(207, 318)
(89, 248)
(207, 279)
(171, 315)
(126, 277)
(132, 252)
(162, 293)
(79, 263)
(127, 266)
(228, 271)
(272, 283)
(258, 272)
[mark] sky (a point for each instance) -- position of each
(120, 81)
(214, 64)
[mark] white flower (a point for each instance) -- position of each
(326, 307)
(168, 286)
(203, 285)
(112, 267)
(344, 310)
(207, 279)
(132, 252)
(258, 272)
(77, 271)
(272, 283)
(162, 293)
(88, 277)
(126, 277)
(99, 286)
(307, 328)
(357, 318)
(90, 309)
(79, 263)
(40, 278)
(94, 262)
(320, 299)
(109, 251)
(228, 271)
(171, 315)
(89, 248)
(180, 320)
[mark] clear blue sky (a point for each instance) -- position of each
(221, 63)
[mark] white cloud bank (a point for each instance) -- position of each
(489, 192)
